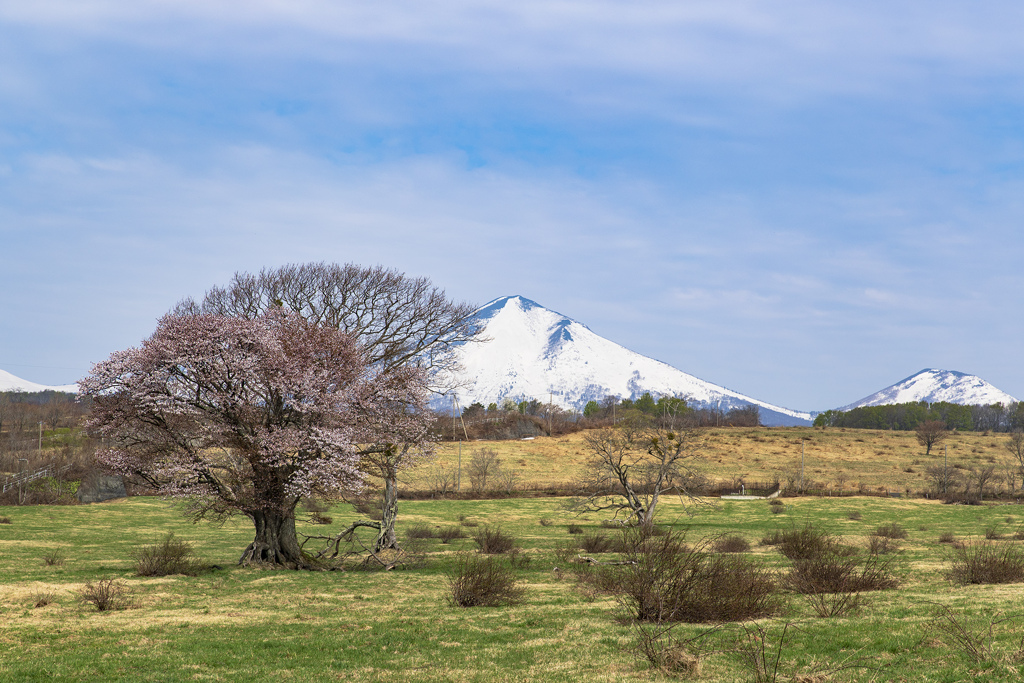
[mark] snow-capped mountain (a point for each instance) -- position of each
(531, 352)
(9, 382)
(933, 385)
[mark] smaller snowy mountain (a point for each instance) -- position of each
(932, 385)
(9, 382)
(531, 352)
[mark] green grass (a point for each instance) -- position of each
(245, 624)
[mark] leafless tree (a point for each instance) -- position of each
(397, 319)
(982, 477)
(1015, 445)
(943, 479)
(483, 465)
(930, 433)
(633, 465)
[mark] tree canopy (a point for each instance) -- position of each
(248, 416)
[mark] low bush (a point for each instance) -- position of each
(666, 580)
(947, 537)
(891, 530)
(494, 541)
(545, 522)
(447, 534)
(483, 582)
(320, 518)
(5, 520)
(595, 542)
(170, 556)
(775, 502)
(55, 558)
(805, 543)
(992, 533)
(106, 595)
(419, 531)
(575, 529)
(671, 655)
(44, 598)
(731, 544)
(880, 545)
(832, 581)
(979, 563)
(855, 515)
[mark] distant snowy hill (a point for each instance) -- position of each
(933, 385)
(9, 382)
(536, 353)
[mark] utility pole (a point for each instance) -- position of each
(945, 476)
(458, 481)
(802, 442)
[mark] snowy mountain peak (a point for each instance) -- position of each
(934, 385)
(9, 382)
(532, 352)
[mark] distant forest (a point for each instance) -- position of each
(907, 416)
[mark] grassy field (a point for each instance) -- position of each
(838, 459)
(230, 623)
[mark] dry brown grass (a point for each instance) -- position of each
(869, 460)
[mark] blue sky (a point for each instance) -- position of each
(802, 201)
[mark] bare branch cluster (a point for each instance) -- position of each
(633, 465)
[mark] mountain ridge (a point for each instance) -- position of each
(536, 353)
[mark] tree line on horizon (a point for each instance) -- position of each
(995, 417)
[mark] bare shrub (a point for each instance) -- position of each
(667, 580)
(106, 595)
(494, 541)
(467, 522)
(575, 529)
(891, 530)
(5, 520)
(947, 537)
(483, 582)
(669, 654)
(44, 598)
(565, 552)
(979, 563)
(775, 502)
(992, 533)
(805, 543)
(855, 515)
(447, 534)
(777, 509)
(832, 581)
(170, 556)
(731, 544)
(545, 522)
(55, 557)
(974, 635)
(419, 531)
(595, 542)
(881, 545)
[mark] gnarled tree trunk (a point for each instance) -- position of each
(275, 541)
(386, 538)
